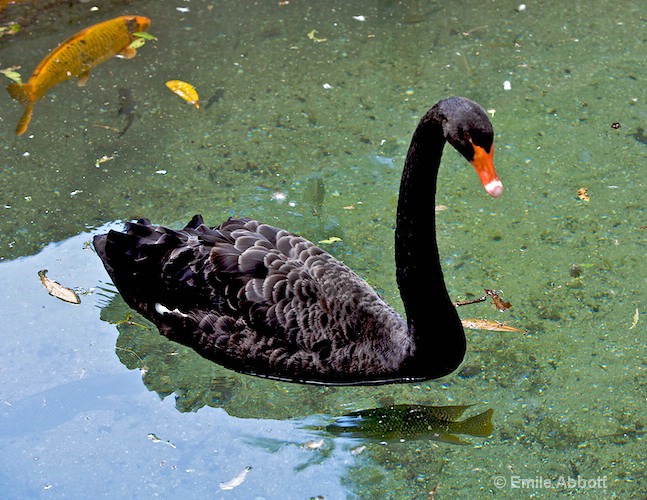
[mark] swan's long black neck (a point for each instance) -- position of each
(431, 317)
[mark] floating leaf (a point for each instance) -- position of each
(57, 290)
(185, 90)
(12, 74)
(103, 159)
(314, 445)
(486, 324)
(155, 439)
(140, 39)
(499, 303)
(313, 36)
(137, 43)
(235, 481)
(635, 320)
(332, 239)
(583, 194)
(9, 29)
(145, 35)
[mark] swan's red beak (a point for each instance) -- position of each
(484, 164)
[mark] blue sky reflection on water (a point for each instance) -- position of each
(74, 420)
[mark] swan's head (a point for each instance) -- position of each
(467, 127)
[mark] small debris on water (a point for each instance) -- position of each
(314, 445)
(635, 320)
(312, 35)
(328, 241)
(499, 303)
(155, 439)
(57, 290)
(236, 480)
(489, 325)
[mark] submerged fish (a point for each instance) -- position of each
(640, 136)
(127, 108)
(315, 192)
(400, 422)
(75, 57)
(218, 95)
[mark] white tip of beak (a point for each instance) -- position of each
(494, 188)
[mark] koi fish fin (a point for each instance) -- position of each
(21, 128)
(127, 53)
(83, 79)
(21, 92)
(478, 425)
(448, 438)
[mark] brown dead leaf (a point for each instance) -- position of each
(57, 290)
(486, 324)
(499, 303)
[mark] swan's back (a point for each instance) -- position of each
(259, 300)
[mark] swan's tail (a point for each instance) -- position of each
(152, 265)
(136, 259)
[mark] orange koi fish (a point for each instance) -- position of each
(75, 57)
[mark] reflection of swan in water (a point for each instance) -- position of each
(263, 301)
(195, 383)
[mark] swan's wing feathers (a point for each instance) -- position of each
(252, 297)
(272, 283)
(231, 342)
(238, 268)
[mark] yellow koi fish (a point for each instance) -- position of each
(75, 57)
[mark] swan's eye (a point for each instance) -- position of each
(467, 137)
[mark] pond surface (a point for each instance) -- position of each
(307, 112)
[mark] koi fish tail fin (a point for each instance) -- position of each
(21, 128)
(23, 94)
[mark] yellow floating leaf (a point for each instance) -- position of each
(583, 194)
(635, 320)
(57, 290)
(332, 239)
(313, 36)
(486, 324)
(137, 43)
(140, 39)
(185, 90)
(103, 159)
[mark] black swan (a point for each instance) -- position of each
(263, 301)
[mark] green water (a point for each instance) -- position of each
(310, 135)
